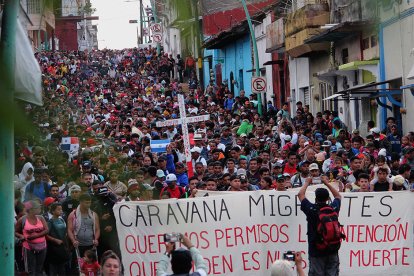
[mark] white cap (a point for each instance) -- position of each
(197, 137)
(313, 166)
(170, 178)
(375, 130)
(196, 149)
(288, 138)
(382, 152)
(160, 173)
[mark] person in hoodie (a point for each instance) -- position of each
(24, 177)
(181, 173)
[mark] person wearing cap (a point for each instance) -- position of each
(226, 139)
(196, 157)
(181, 173)
(280, 183)
(133, 192)
(330, 162)
(103, 201)
(172, 188)
(71, 202)
(182, 260)
(320, 262)
(380, 140)
(299, 178)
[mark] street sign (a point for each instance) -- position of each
(258, 84)
(156, 28)
(157, 38)
(133, 21)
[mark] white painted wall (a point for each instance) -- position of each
(172, 41)
(260, 33)
(399, 58)
(299, 78)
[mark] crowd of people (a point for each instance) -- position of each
(109, 101)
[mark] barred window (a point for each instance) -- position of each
(34, 6)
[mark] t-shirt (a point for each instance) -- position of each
(177, 192)
(311, 211)
(90, 269)
(381, 186)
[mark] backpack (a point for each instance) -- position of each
(330, 232)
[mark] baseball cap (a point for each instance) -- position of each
(170, 178)
(288, 138)
(196, 149)
(375, 130)
(277, 165)
(321, 194)
(147, 187)
(133, 187)
(197, 137)
(326, 144)
(48, 201)
(287, 175)
(355, 131)
(179, 165)
(333, 149)
(160, 173)
(87, 163)
(132, 182)
(274, 128)
(280, 177)
(162, 158)
(241, 172)
(313, 166)
(243, 135)
(301, 163)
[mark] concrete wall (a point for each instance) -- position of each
(234, 57)
(299, 79)
(398, 53)
(260, 33)
(318, 63)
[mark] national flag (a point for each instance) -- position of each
(70, 145)
(159, 145)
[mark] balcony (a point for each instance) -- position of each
(304, 23)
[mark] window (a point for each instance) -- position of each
(374, 41)
(365, 43)
(34, 6)
(345, 57)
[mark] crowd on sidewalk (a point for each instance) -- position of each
(108, 102)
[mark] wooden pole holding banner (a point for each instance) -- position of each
(184, 121)
(7, 87)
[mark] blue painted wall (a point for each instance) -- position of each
(237, 56)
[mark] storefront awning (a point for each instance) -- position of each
(332, 97)
(271, 62)
(358, 64)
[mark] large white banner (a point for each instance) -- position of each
(243, 233)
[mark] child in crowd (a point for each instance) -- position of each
(380, 162)
(90, 265)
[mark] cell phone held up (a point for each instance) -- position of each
(289, 256)
(172, 237)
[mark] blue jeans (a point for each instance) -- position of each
(324, 266)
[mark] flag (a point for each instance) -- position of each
(159, 145)
(70, 145)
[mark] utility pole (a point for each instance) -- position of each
(7, 86)
(141, 21)
(154, 12)
(255, 53)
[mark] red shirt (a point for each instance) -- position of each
(290, 170)
(177, 192)
(90, 269)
